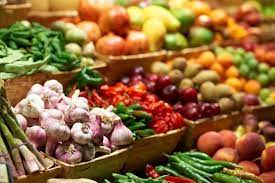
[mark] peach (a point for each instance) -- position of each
(250, 167)
(268, 158)
(210, 142)
(227, 154)
(229, 138)
(268, 177)
(250, 146)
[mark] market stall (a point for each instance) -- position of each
(137, 91)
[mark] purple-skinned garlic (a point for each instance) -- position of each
(37, 136)
(69, 152)
(22, 121)
(54, 85)
(80, 133)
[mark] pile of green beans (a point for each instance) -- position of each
(33, 47)
(203, 169)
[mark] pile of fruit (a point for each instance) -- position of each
(152, 26)
(246, 146)
(240, 70)
(193, 92)
(191, 167)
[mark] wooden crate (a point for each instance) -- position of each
(265, 112)
(9, 14)
(17, 88)
(196, 128)
(151, 149)
(40, 177)
(98, 168)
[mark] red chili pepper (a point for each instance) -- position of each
(151, 172)
(172, 179)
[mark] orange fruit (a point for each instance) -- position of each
(199, 7)
(225, 59)
(252, 86)
(206, 59)
(218, 68)
(232, 71)
(219, 17)
(234, 83)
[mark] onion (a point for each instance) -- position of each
(111, 45)
(137, 42)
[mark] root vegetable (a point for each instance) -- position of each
(22, 121)
(57, 131)
(69, 152)
(89, 151)
(31, 106)
(121, 135)
(81, 134)
(37, 136)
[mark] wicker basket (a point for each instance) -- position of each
(40, 177)
(24, 83)
(13, 12)
(98, 168)
(151, 149)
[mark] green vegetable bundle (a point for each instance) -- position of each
(203, 169)
(24, 44)
(15, 148)
(135, 119)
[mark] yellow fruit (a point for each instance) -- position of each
(171, 23)
(175, 4)
(225, 59)
(252, 86)
(155, 38)
(234, 83)
(232, 71)
(206, 59)
(200, 7)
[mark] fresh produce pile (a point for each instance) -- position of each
(151, 26)
(184, 166)
(26, 48)
(163, 116)
(246, 146)
(15, 147)
(66, 127)
(241, 71)
(193, 92)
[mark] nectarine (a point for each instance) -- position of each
(229, 138)
(227, 154)
(268, 158)
(210, 142)
(250, 167)
(250, 146)
(268, 177)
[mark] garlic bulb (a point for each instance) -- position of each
(55, 86)
(37, 89)
(121, 135)
(96, 129)
(37, 136)
(51, 98)
(88, 151)
(81, 134)
(57, 131)
(79, 114)
(69, 152)
(50, 113)
(106, 142)
(22, 121)
(31, 106)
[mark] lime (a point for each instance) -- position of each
(237, 60)
(263, 79)
(248, 56)
(175, 41)
(252, 63)
(263, 68)
(244, 70)
(271, 74)
(200, 36)
(230, 49)
(185, 16)
(240, 51)
(265, 93)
